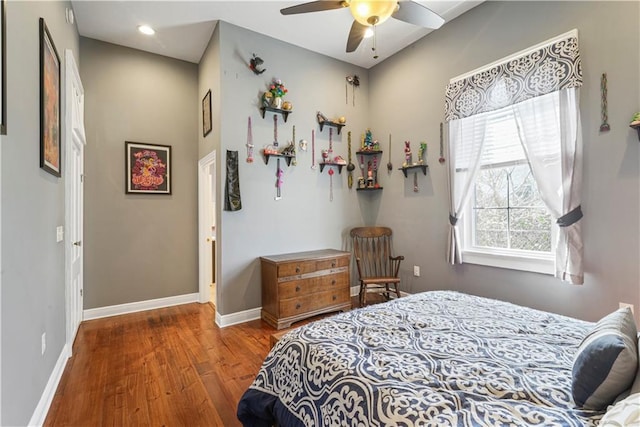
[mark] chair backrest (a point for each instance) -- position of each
(372, 248)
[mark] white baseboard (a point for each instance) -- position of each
(134, 307)
(225, 320)
(40, 414)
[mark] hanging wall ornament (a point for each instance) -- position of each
(232, 200)
(354, 81)
(279, 173)
(313, 149)
(389, 164)
(350, 166)
(255, 64)
(293, 144)
(275, 130)
(249, 143)
(604, 127)
(441, 159)
(331, 184)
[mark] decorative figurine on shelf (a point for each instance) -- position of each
(277, 90)
(303, 144)
(325, 156)
(267, 98)
(369, 176)
(289, 150)
(255, 64)
(321, 117)
(361, 182)
(422, 152)
(368, 140)
(407, 153)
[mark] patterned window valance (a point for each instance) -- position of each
(543, 69)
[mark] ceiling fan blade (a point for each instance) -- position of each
(417, 14)
(356, 34)
(314, 6)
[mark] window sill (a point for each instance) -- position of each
(534, 262)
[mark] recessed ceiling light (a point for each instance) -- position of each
(368, 32)
(145, 29)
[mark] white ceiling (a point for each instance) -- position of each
(184, 27)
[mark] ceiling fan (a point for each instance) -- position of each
(370, 13)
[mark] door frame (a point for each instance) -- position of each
(206, 188)
(74, 135)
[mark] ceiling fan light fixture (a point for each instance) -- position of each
(368, 33)
(372, 12)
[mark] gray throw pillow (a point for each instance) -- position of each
(606, 361)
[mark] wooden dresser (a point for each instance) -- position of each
(300, 285)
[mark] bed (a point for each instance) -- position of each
(437, 358)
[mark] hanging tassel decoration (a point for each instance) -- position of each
(249, 143)
(604, 127)
(350, 166)
(441, 159)
(293, 144)
(313, 149)
(331, 184)
(279, 174)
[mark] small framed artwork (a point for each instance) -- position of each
(148, 168)
(50, 150)
(206, 114)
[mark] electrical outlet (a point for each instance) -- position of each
(59, 233)
(44, 342)
(624, 304)
(416, 270)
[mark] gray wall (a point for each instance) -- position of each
(609, 40)
(305, 218)
(138, 247)
(32, 207)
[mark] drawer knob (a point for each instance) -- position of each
(297, 288)
(298, 269)
(335, 297)
(333, 264)
(298, 306)
(333, 282)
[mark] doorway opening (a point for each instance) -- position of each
(207, 229)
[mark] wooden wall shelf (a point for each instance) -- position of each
(369, 189)
(338, 165)
(285, 113)
(284, 156)
(339, 126)
(406, 169)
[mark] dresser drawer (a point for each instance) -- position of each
(303, 304)
(287, 269)
(313, 285)
(327, 264)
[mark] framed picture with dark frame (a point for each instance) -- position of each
(147, 168)
(50, 149)
(3, 67)
(206, 114)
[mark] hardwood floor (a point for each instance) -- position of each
(165, 367)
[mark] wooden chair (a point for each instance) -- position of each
(377, 267)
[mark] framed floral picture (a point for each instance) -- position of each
(148, 168)
(206, 114)
(50, 150)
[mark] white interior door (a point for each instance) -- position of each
(75, 140)
(207, 226)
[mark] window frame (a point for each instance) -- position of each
(514, 259)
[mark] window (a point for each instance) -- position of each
(506, 223)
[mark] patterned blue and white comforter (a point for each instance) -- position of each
(431, 359)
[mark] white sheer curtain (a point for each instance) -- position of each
(466, 139)
(549, 128)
